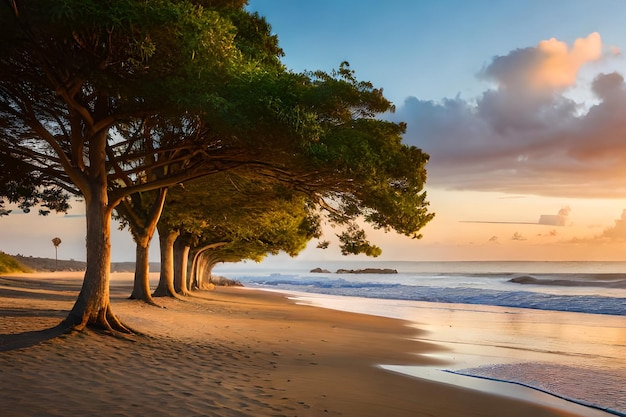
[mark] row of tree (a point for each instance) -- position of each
(134, 104)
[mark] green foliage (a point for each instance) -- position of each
(353, 242)
(9, 264)
(328, 121)
(252, 218)
(377, 177)
(20, 185)
(72, 69)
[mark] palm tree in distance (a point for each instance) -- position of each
(56, 242)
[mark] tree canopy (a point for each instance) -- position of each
(230, 218)
(20, 185)
(75, 76)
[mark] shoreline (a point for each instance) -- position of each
(225, 353)
(518, 349)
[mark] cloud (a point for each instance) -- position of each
(615, 51)
(524, 135)
(551, 233)
(618, 231)
(517, 236)
(493, 239)
(551, 65)
(559, 219)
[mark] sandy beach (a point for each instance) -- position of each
(228, 352)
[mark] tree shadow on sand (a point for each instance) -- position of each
(31, 299)
(31, 293)
(27, 339)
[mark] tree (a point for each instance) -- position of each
(235, 216)
(141, 212)
(115, 99)
(72, 73)
(56, 242)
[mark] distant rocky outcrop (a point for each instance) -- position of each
(320, 271)
(356, 271)
(368, 271)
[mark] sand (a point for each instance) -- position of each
(228, 352)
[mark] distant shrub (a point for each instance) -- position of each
(10, 264)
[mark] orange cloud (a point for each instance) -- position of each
(616, 233)
(619, 230)
(560, 65)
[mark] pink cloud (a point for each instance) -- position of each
(526, 136)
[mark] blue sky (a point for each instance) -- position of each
(428, 49)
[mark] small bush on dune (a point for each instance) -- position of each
(10, 264)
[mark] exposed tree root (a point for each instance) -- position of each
(148, 300)
(102, 320)
(166, 293)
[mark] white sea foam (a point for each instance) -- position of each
(603, 388)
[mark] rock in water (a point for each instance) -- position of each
(368, 271)
(320, 271)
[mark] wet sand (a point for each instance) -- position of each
(228, 352)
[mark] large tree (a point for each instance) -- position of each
(102, 95)
(73, 73)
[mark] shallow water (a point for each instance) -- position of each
(574, 356)
(569, 340)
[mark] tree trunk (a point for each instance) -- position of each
(167, 237)
(193, 274)
(205, 271)
(201, 281)
(93, 305)
(181, 261)
(143, 225)
(195, 267)
(141, 284)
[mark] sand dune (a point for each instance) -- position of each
(229, 352)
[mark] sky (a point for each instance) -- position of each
(521, 106)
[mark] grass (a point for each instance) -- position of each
(10, 264)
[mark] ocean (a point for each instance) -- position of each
(557, 328)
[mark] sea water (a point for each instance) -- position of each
(562, 331)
